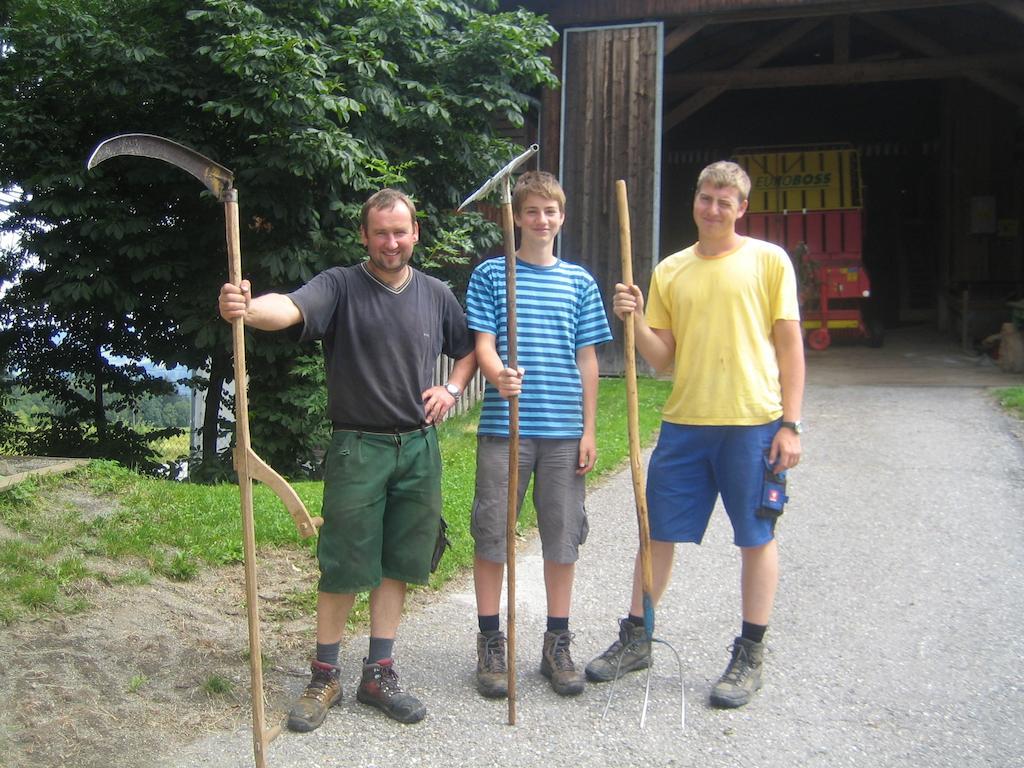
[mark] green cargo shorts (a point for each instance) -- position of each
(382, 509)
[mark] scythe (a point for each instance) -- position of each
(502, 178)
(248, 465)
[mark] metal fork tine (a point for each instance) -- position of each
(682, 685)
(647, 697)
(647, 688)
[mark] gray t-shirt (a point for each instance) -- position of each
(380, 347)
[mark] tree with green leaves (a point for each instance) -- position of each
(313, 105)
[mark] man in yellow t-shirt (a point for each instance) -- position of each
(723, 314)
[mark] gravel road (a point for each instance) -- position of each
(897, 635)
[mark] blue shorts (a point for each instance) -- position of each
(692, 465)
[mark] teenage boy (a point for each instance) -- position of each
(724, 313)
(560, 320)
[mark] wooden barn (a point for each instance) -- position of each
(929, 92)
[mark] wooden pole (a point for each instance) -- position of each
(508, 226)
(633, 412)
(261, 737)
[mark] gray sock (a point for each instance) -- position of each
(380, 648)
(328, 653)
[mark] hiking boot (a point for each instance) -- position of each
(380, 688)
(742, 677)
(491, 671)
(322, 693)
(630, 652)
(556, 664)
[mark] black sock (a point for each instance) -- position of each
(327, 653)
(753, 632)
(558, 623)
(380, 648)
(636, 621)
(488, 623)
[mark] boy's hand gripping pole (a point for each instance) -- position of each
(249, 466)
(502, 179)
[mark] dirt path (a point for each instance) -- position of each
(126, 681)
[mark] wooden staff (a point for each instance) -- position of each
(633, 413)
(508, 225)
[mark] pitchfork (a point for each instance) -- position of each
(633, 420)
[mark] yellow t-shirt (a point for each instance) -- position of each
(721, 312)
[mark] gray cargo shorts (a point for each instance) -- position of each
(558, 496)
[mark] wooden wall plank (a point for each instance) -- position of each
(611, 108)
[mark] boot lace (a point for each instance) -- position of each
(560, 657)
(319, 684)
(388, 680)
(625, 643)
(739, 667)
(494, 654)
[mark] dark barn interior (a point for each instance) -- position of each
(930, 93)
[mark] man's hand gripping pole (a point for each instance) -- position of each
(249, 466)
(502, 179)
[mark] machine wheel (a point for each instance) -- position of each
(819, 339)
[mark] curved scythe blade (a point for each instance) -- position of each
(214, 176)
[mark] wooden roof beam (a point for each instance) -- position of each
(1014, 8)
(606, 12)
(755, 59)
(682, 33)
(855, 72)
(910, 37)
(857, 7)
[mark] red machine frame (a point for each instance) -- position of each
(808, 199)
(826, 247)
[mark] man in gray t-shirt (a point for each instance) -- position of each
(383, 325)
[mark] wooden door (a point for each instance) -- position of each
(611, 129)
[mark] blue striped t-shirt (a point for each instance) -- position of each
(558, 311)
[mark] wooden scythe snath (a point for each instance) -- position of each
(249, 466)
(503, 178)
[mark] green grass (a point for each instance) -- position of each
(146, 528)
(137, 682)
(1012, 400)
(171, 448)
(216, 685)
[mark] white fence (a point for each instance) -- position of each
(473, 392)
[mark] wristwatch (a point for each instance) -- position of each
(796, 426)
(453, 390)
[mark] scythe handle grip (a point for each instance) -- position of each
(262, 471)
